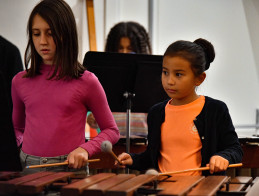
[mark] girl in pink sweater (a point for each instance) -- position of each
(52, 96)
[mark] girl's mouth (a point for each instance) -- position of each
(171, 91)
(44, 51)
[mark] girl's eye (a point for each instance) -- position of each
(178, 74)
(165, 73)
(36, 34)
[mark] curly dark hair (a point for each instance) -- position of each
(136, 33)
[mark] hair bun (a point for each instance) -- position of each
(208, 50)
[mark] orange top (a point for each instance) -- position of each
(180, 140)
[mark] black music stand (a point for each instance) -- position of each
(9, 154)
(132, 82)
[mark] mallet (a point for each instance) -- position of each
(107, 147)
(154, 172)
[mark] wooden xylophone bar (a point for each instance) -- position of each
(110, 184)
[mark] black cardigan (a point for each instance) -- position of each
(215, 129)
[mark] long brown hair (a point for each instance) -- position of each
(61, 20)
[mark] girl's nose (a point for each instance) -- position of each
(43, 39)
(171, 80)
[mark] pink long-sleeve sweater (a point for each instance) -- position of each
(49, 116)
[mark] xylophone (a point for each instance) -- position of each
(110, 184)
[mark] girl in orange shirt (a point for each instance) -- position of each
(189, 130)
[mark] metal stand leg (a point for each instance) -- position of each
(128, 96)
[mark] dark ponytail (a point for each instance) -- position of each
(208, 50)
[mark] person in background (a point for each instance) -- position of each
(127, 37)
(10, 65)
(51, 98)
(189, 130)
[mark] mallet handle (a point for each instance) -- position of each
(196, 169)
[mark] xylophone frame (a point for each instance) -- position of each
(110, 184)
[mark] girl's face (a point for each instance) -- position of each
(179, 81)
(125, 46)
(43, 40)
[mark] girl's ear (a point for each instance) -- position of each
(200, 79)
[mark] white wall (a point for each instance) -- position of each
(13, 20)
(232, 26)
(232, 76)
